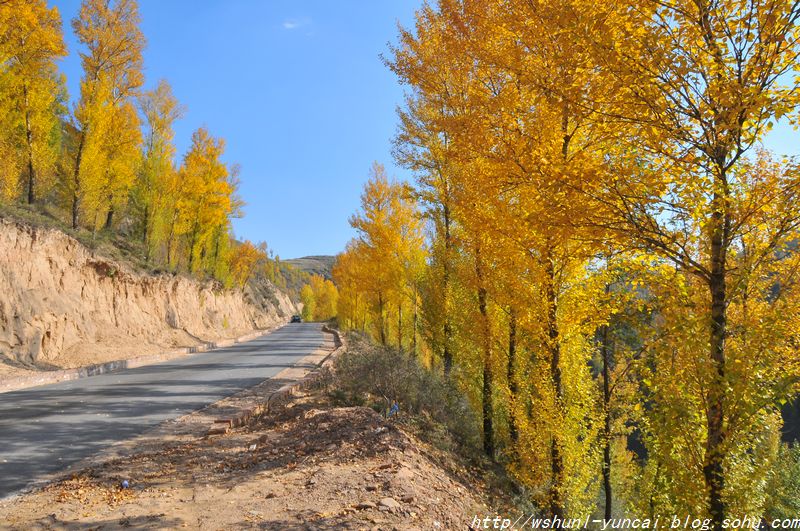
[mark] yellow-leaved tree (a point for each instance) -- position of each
(383, 266)
(709, 79)
(204, 192)
(105, 119)
(151, 196)
(244, 260)
(320, 298)
(512, 145)
(32, 97)
(586, 170)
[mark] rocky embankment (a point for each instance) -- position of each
(63, 306)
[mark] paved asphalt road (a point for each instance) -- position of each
(44, 429)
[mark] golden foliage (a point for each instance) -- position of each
(608, 259)
(379, 273)
(31, 97)
(320, 299)
(111, 167)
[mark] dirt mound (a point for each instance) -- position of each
(306, 466)
(341, 434)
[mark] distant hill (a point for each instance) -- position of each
(315, 265)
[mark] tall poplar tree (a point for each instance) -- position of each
(709, 79)
(32, 94)
(106, 123)
(151, 193)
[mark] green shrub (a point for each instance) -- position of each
(784, 488)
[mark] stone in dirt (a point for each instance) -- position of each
(391, 503)
(365, 505)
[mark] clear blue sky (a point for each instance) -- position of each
(296, 88)
(298, 91)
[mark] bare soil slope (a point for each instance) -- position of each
(63, 306)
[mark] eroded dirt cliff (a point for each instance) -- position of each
(63, 306)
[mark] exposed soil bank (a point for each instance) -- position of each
(63, 306)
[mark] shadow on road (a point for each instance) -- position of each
(48, 428)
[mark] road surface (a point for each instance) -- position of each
(45, 429)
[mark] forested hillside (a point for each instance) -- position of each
(106, 168)
(598, 250)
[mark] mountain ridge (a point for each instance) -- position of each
(321, 264)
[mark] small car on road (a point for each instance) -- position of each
(297, 319)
